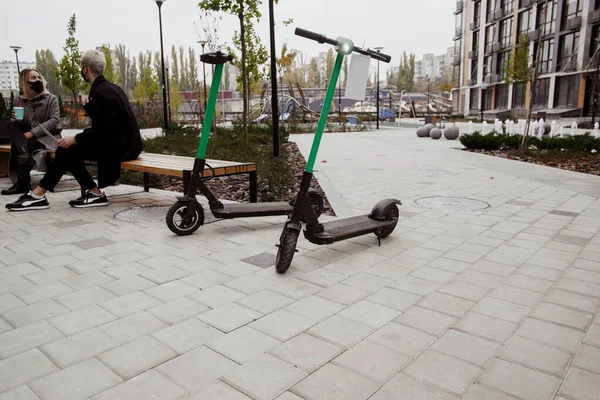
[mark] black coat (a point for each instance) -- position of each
(114, 135)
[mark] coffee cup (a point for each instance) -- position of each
(19, 113)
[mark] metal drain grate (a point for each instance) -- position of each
(144, 214)
(452, 203)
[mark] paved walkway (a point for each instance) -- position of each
(500, 303)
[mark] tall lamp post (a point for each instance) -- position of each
(169, 96)
(428, 94)
(203, 43)
(595, 82)
(482, 102)
(274, 100)
(378, 50)
(16, 49)
(159, 3)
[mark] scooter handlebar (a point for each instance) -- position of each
(318, 37)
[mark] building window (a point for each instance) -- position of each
(508, 6)
(502, 63)
(542, 90)
(546, 52)
(474, 99)
(491, 7)
(572, 8)
(456, 75)
(506, 29)
(477, 14)
(525, 21)
(487, 98)
(567, 52)
(501, 97)
(549, 25)
(490, 36)
(475, 46)
(566, 93)
(519, 95)
(473, 75)
(487, 66)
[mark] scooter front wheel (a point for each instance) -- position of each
(287, 248)
(180, 223)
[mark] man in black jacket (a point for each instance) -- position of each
(114, 137)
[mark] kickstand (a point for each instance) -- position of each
(378, 234)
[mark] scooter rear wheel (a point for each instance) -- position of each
(287, 248)
(177, 221)
(390, 213)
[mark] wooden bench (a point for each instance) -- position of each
(181, 167)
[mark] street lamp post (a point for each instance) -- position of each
(428, 95)
(378, 50)
(400, 112)
(274, 100)
(16, 49)
(484, 70)
(169, 96)
(203, 43)
(595, 83)
(159, 3)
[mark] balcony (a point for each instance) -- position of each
(534, 35)
(472, 82)
(456, 60)
(499, 13)
(505, 45)
(568, 65)
(489, 49)
(459, 7)
(473, 54)
(573, 24)
(496, 47)
(487, 79)
(594, 16)
(458, 33)
(496, 78)
(526, 3)
(475, 25)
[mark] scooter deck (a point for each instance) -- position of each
(335, 231)
(230, 211)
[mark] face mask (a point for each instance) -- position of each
(37, 86)
(83, 74)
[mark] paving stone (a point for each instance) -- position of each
(43, 292)
(130, 304)
(195, 369)
(344, 294)
(572, 285)
(219, 391)
(536, 355)
(177, 310)
(493, 268)
(263, 301)
(466, 347)
(250, 283)
(17, 270)
(593, 335)
(368, 282)
(282, 324)
(573, 300)
(477, 392)
(264, 377)
(295, 288)
(165, 274)
(149, 385)
(136, 356)
(19, 393)
(217, 296)
(516, 295)
(74, 382)
(368, 313)
(86, 297)
(503, 310)
(546, 262)
(581, 384)
(306, 352)
(395, 299)
(314, 308)
(562, 315)
(486, 327)
(340, 330)
(447, 304)
(128, 328)
(92, 243)
(171, 290)
(322, 277)
(187, 335)
(405, 387)
(229, 317)
(450, 265)
(78, 347)
(90, 279)
(426, 320)
(50, 275)
(28, 337)
(128, 285)
(480, 278)
(464, 290)
(554, 335)
(9, 302)
(262, 260)
(519, 381)
(81, 319)
(388, 271)
(414, 285)
(33, 313)
(371, 360)
(24, 367)
(334, 382)
(402, 338)
(243, 344)
(446, 372)
(588, 358)
(583, 275)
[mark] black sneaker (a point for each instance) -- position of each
(28, 202)
(17, 188)
(89, 199)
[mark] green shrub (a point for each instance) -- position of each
(493, 141)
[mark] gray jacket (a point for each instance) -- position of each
(41, 110)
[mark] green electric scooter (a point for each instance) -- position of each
(383, 218)
(187, 215)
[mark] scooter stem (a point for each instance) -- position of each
(210, 111)
(325, 112)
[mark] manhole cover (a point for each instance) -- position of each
(453, 203)
(144, 214)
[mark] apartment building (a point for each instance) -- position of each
(433, 66)
(9, 75)
(487, 31)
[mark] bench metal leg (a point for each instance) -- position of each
(48, 160)
(146, 182)
(253, 187)
(187, 177)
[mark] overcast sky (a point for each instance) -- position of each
(419, 26)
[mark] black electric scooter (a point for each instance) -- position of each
(383, 218)
(187, 215)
